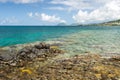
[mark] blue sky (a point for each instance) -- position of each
(52, 12)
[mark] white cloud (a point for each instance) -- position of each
(56, 8)
(12, 20)
(46, 18)
(72, 4)
(80, 4)
(110, 11)
(21, 1)
(30, 14)
(52, 18)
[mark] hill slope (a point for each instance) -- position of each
(110, 23)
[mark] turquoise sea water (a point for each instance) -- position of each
(11, 35)
(100, 40)
(80, 39)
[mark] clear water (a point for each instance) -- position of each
(76, 40)
(100, 40)
(12, 35)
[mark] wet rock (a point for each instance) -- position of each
(38, 46)
(42, 46)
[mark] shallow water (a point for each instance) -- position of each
(100, 40)
(81, 39)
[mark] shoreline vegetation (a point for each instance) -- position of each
(109, 23)
(42, 61)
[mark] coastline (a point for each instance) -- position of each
(68, 43)
(59, 39)
(61, 58)
(46, 61)
(57, 43)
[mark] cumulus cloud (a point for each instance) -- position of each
(47, 18)
(21, 1)
(110, 11)
(79, 4)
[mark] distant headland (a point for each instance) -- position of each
(109, 23)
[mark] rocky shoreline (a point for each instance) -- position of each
(28, 53)
(41, 62)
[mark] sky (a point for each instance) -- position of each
(53, 12)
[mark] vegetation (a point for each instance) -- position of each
(110, 23)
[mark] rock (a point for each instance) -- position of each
(6, 55)
(56, 44)
(19, 57)
(3, 77)
(26, 56)
(42, 46)
(27, 49)
(41, 52)
(1, 58)
(32, 56)
(47, 46)
(115, 59)
(38, 46)
(27, 53)
(35, 50)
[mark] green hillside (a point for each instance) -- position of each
(110, 23)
